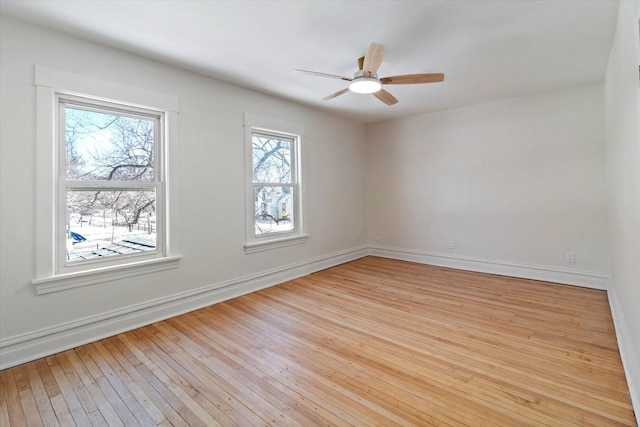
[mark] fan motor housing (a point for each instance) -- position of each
(359, 74)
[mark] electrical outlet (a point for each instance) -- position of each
(571, 257)
(452, 244)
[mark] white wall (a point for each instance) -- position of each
(210, 170)
(622, 109)
(514, 184)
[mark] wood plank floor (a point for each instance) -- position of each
(371, 342)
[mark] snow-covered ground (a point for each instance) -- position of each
(99, 235)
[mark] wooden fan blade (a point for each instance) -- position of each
(373, 59)
(333, 76)
(333, 95)
(385, 97)
(412, 78)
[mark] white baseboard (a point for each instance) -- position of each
(628, 354)
(45, 342)
(587, 279)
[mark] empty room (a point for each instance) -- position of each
(320, 213)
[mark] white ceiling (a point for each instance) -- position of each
(488, 50)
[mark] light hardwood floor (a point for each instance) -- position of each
(371, 342)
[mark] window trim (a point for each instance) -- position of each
(49, 276)
(258, 243)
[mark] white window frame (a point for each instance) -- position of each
(65, 185)
(294, 132)
(53, 273)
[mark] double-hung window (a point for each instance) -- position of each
(274, 182)
(102, 181)
(110, 188)
(274, 191)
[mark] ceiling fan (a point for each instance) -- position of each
(366, 79)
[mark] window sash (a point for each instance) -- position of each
(124, 248)
(99, 106)
(293, 153)
(294, 211)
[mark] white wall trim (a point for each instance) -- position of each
(583, 278)
(252, 248)
(81, 84)
(47, 341)
(50, 275)
(105, 274)
(630, 360)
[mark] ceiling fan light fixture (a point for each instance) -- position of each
(365, 85)
(366, 79)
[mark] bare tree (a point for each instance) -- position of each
(101, 146)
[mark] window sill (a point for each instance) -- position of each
(254, 247)
(90, 277)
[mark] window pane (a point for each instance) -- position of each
(274, 210)
(107, 223)
(102, 146)
(271, 159)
